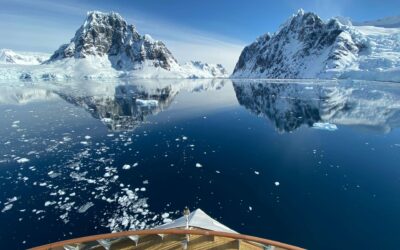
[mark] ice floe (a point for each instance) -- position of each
(325, 126)
(23, 160)
(85, 207)
(126, 166)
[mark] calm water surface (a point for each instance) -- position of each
(315, 164)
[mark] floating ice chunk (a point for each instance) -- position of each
(126, 166)
(7, 207)
(276, 183)
(325, 126)
(250, 208)
(12, 199)
(49, 203)
(125, 222)
(84, 143)
(165, 215)
(184, 138)
(198, 165)
(85, 207)
(149, 103)
(66, 138)
(87, 137)
(53, 174)
(135, 164)
(256, 172)
(23, 160)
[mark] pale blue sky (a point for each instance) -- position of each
(209, 30)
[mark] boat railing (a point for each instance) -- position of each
(135, 236)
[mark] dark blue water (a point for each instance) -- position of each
(315, 164)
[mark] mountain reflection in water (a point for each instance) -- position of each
(289, 105)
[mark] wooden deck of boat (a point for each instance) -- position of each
(174, 242)
(168, 239)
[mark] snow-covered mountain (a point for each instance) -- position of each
(106, 46)
(291, 105)
(306, 46)
(108, 35)
(8, 56)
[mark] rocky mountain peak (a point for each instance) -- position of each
(108, 34)
(303, 47)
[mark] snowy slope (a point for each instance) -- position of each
(381, 61)
(308, 47)
(8, 56)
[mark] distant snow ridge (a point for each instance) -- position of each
(386, 22)
(307, 47)
(8, 56)
(204, 70)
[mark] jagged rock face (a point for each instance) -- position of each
(108, 34)
(290, 106)
(304, 47)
